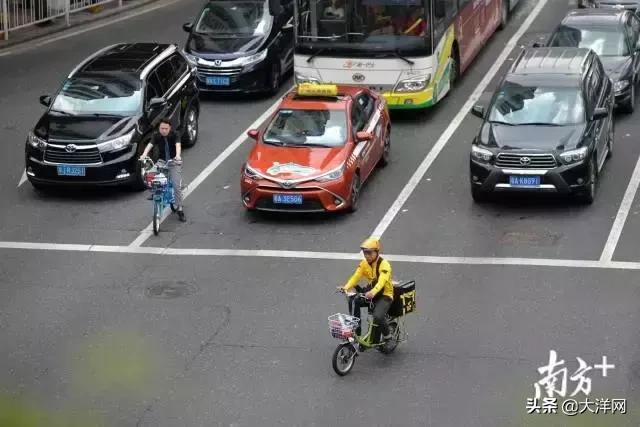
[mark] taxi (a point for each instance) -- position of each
(317, 150)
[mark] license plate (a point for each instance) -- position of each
(524, 181)
(218, 81)
(67, 170)
(287, 199)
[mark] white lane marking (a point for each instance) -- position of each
(37, 43)
(411, 259)
(23, 179)
(448, 133)
(621, 217)
(148, 231)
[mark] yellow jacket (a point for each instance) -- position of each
(366, 271)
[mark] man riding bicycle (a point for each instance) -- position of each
(377, 272)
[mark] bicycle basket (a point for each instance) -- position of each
(343, 326)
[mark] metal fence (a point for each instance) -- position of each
(16, 14)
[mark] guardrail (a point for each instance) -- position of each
(16, 14)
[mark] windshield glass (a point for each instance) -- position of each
(521, 105)
(234, 18)
(603, 41)
(364, 27)
(99, 95)
(308, 127)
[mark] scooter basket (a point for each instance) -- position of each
(404, 299)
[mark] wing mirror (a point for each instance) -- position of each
(363, 136)
(157, 103)
(45, 100)
(478, 111)
(600, 113)
(188, 27)
(253, 134)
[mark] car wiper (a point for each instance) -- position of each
(538, 124)
(498, 122)
(64, 113)
(272, 142)
(103, 115)
(310, 144)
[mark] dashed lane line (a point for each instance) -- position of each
(455, 123)
(411, 259)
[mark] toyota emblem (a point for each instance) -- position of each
(287, 184)
(71, 148)
(525, 160)
(217, 62)
(357, 77)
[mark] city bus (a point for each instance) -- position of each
(411, 51)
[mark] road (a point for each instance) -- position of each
(222, 320)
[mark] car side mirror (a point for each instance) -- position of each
(188, 27)
(253, 134)
(440, 9)
(478, 111)
(600, 113)
(363, 136)
(157, 103)
(45, 100)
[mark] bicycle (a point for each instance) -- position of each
(158, 180)
(344, 327)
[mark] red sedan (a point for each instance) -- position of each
(317, 150)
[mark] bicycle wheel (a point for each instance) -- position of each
(391, 345)
(156, 218)
(344, 358)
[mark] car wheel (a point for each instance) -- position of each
(190, 133)
(504, 16)
(478, 195)
(354, 197)
(386, 150)
(590, 194)
(274, 79)
(630, 105)
(454, 73)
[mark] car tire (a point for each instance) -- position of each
(478, 195)
(386, 149)
(274, 79)
(354, 197)
(504, 15)
(629, 106)
(589, 195)
(454, 73)
(191, 131)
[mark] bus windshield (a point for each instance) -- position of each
(369, 28)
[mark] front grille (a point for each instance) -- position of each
(526, 161)
(205, 71)
(307, 205)
(87, 156)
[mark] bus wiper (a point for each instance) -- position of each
(316, 53)
(398, 55)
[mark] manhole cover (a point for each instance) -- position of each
(170, 290)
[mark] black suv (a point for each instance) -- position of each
(103, 115)
(614, 35)
(549, 126)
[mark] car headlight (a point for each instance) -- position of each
(252, 59)
(301, 78)
(35, 141)
(573, 156)
(413, 85)
(481, 154)
(116, 144)
(251, 173)
(620, 85)
(332, 175)
(191, 59)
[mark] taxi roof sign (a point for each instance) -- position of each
(315, 89)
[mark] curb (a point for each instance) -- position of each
(6, 44)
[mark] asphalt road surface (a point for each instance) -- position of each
(221, 321)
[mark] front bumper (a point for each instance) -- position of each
(119, 170)
(562, 180)
(241, 80)
(258, 195)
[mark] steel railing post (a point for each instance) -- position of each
(5, 18)
(67, 8)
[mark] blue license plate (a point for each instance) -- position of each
(524, 181)
(287, 199)
(68, 170)
(218, 81)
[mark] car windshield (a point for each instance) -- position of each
(603, 41)
(326, 128)
(521, 105)
(234, 18)
(364, 27)
(89, 95)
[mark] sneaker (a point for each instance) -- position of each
(181, 216)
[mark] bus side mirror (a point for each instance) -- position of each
(440, 9)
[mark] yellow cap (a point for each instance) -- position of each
(372, 243)
(314, 89)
